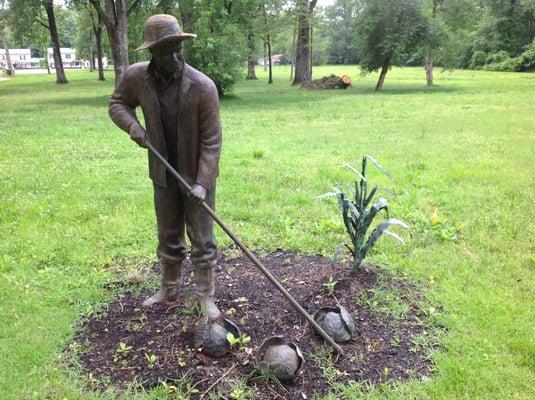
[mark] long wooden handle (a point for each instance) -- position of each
(249, 254)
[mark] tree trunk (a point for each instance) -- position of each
(265, 56)
(9, 70)
(45, 52)
(293, 53)
(91, 61)
(118, 34)
(310, 48)
(429, 58)
(429, 70)
(267, 44)
(98, 38)
(382, 75)
(58, 63)
(251, 73)
(115, 19)
(270, 79)
(303, 70)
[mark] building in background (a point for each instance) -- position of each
(68, 56)
(20, 59)
(86, 64)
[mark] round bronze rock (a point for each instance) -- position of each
(211, 336)
(336, 322)
(280, 358)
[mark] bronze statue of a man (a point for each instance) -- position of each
(181, 110)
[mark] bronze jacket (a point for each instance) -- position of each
(199, 126)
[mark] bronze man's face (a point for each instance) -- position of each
(168, 56)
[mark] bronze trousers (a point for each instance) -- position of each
(177, 214)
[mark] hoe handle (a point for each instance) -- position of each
(253, 258)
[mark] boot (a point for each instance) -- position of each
(205, 282)
(169, 285)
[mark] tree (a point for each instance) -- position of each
(319, 38)
(89, 37)
(251, 55)
(269, 28)
(4, 37)
(341, 30)
(303, 64)
(267, 41)
(98, 23)
(248, 17)
(67, 26)
(390, 30)
(56, 52)
(114, 14)
(220, 48)
(25, 14)
(448, 19)
(433, 39)
(528, 5)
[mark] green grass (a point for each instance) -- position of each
(75, 197)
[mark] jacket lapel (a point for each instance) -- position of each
(153, 109)
(185, 84)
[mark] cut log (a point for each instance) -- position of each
(329, 82)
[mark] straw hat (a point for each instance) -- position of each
(160, 27)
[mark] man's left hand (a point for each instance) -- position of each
(197, 194)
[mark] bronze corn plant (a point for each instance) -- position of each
(358, 215)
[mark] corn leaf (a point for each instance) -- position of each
(326, 195)
(343, 203)
(376, 234)
(381, 204)
(355, 171)
(353, 209)
(379, 166)
(358, 199)
(395, 221)
(370, 197)
(394, 235)
(363, 191)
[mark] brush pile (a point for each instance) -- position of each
(329, 82)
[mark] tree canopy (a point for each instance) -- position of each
(233, 34)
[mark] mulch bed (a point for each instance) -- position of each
(382, 349)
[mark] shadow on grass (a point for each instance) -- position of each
(277, 98)
(402, 89)
(100, 101)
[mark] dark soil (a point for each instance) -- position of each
(387, 344)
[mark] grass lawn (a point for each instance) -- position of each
(75, 198)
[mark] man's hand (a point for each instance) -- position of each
(137, 134)
(197, 194)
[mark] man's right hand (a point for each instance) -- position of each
(137, 134)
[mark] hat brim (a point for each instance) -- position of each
(181, 36)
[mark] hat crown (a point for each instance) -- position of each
(160, 26)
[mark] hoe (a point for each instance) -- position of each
(274, 281)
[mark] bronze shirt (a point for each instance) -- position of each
(168, 92)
